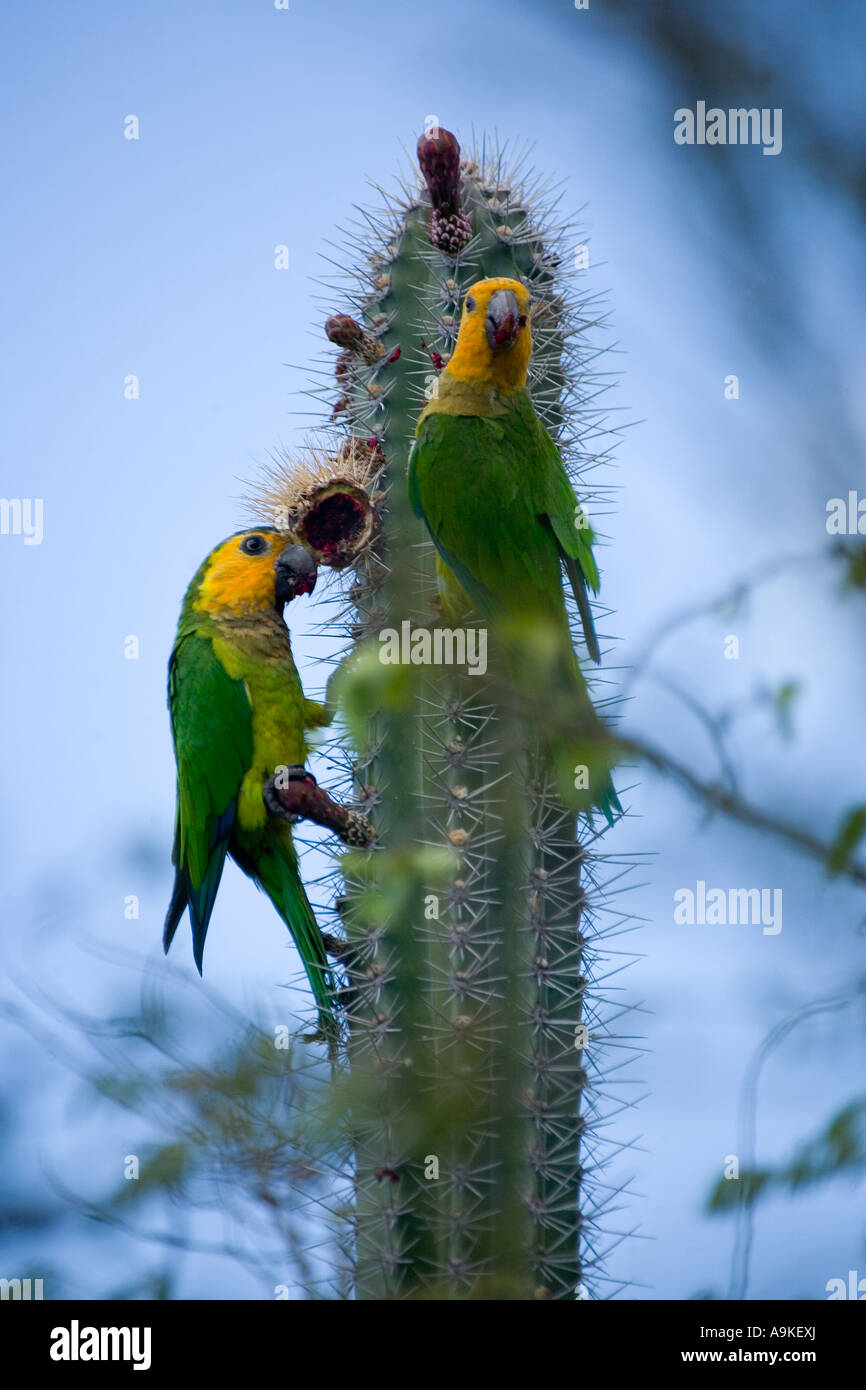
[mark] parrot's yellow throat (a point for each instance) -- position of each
(494, 344)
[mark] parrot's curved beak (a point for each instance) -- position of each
(295, 573)
(503, 321)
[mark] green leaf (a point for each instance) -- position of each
(161, 1171)
(847, 840)
(746, 1189)
(783, 704)
(853, 556)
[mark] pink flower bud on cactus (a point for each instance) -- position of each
(439, 158)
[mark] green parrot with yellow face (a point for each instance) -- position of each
(488, 481)
(238, 713)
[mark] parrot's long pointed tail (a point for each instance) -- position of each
(542, 666)
(200, 902)
(583, 763)
(609, 803)
(276, 873)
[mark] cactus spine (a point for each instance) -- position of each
(475, 926)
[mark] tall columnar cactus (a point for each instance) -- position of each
(480, 1031)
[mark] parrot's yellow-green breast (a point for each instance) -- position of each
(238, 593)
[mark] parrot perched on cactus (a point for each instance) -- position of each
(237, 713)
(488, 482)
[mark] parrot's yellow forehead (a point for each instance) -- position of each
(239, 576)
(483, 291)
(478, 358)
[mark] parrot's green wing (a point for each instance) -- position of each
(459, 478)
(430, 474)
(211, 721)
(496, 499)
(553, 499)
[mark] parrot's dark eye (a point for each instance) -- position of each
(470, 304)
(254, 545)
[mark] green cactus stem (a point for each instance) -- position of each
(481, 1025)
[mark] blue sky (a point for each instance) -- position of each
(155, 257)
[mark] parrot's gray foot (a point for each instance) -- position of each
(279, 793)
(294, 794)
(294, 772)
